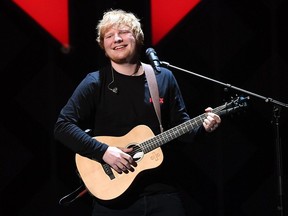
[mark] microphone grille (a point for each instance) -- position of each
(149, 50)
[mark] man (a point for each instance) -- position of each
(112, 102)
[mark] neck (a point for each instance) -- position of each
(128, 68)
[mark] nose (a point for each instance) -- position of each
(117, 38)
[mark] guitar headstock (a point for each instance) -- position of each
(235, 105)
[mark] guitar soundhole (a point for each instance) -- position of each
(137, 152)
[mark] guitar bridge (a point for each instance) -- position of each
(108, 171)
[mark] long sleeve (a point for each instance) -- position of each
(77, 116)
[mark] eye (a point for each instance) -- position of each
(124, 32)
(108, 36)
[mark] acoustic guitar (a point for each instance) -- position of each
(105, 183)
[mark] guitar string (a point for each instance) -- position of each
(154, 140)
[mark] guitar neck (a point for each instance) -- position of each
(175, 132)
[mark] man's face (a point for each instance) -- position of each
(120, 44)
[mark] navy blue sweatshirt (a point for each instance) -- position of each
(94, 106)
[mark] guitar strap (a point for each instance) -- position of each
(153, 88)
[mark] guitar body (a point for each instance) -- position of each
(96, 179)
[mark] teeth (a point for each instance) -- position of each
(118, 47)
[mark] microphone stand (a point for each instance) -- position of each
(276, 115)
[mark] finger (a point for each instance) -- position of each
(121, 167)
(117, 169)
(127, 157)
(126, 166)
(127, 149)
(215, 117)
(206, 121)
(218, 119)
(126, 160)
(210, 122)
(208, 109)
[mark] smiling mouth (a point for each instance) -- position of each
(119, 47)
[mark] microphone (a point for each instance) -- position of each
(114, 90)
(153, 58)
